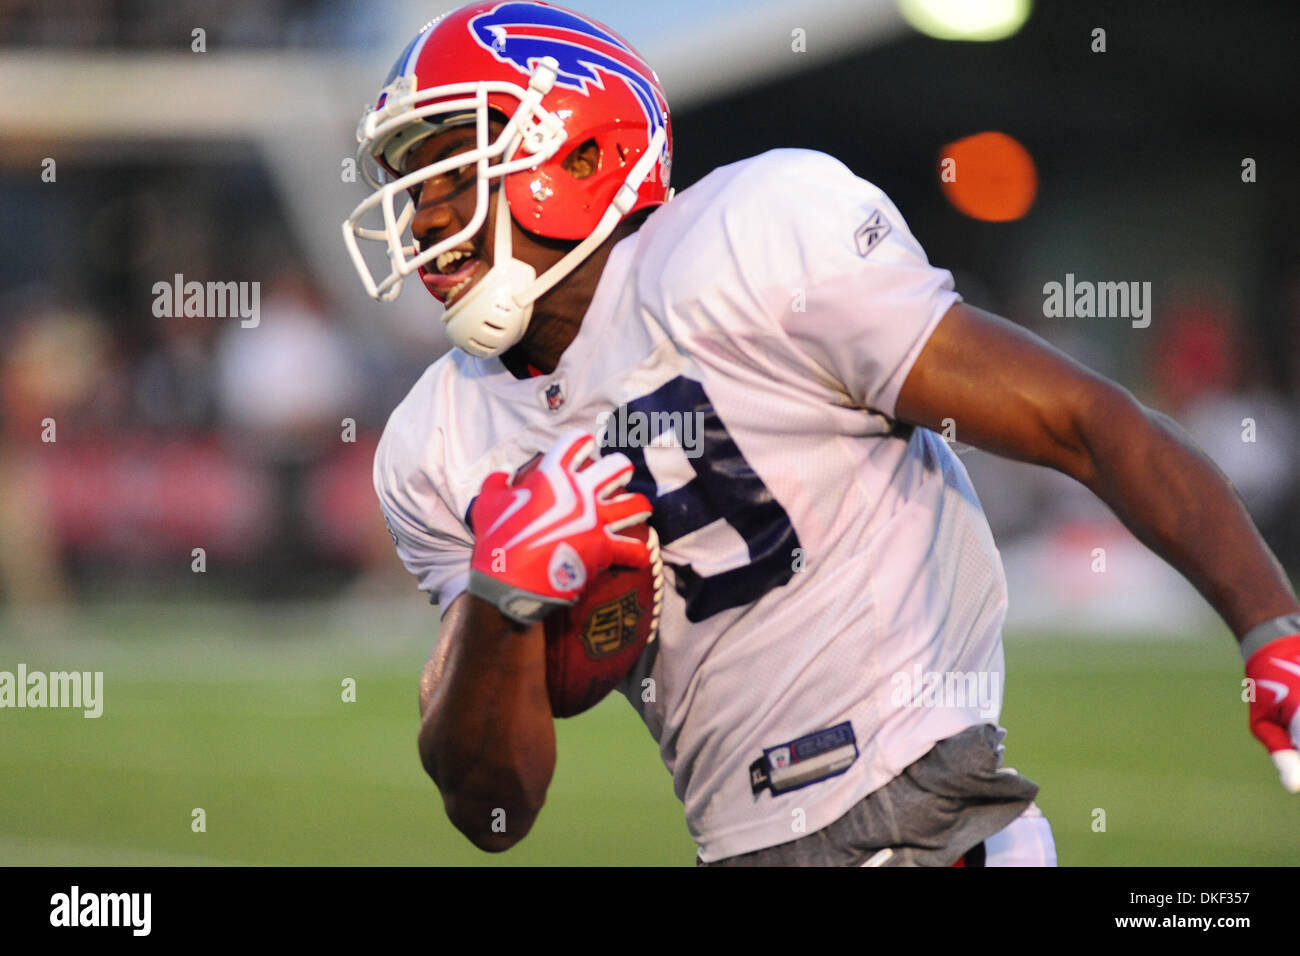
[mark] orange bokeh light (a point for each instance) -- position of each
(988, 176)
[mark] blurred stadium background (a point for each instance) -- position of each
(223, 688)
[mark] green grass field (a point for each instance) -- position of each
(237, 709)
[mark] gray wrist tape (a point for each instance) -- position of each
(1257, 637)
(522, 607)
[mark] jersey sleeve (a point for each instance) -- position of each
(847, 281)
(433, 543)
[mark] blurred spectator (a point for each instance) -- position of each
(286, 384)
(285, 388)
(174, 382)
(57, 378)
(1204, 376)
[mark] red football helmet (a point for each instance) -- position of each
(553, 77)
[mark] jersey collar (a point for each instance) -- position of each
(493, 375)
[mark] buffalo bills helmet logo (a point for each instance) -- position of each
(522, 33)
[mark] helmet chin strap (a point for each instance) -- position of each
(488, 320)
(494, 315)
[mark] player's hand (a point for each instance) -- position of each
(1275, 711)
(540, 536)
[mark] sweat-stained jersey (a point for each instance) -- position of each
(745, 348)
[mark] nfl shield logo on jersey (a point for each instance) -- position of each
(554, 395)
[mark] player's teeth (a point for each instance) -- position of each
(447, 258)
(458, 286)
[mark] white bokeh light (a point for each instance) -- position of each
(966, 19)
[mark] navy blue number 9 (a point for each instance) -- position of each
(724, 487)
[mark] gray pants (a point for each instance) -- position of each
(946, 803)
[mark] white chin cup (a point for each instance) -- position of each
(488, 320)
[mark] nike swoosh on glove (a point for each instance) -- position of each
(1275, 711)
(542, 535)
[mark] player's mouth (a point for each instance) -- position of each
(453, 273)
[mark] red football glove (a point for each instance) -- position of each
(541, 536)
(1275, 711)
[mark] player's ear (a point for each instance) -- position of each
(583, 160)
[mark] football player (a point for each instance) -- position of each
(789, 353)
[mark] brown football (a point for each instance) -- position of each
(592, 645)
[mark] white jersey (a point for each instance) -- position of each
(745, 348)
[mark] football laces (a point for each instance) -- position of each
(657, 570)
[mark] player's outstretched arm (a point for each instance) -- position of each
(486, 733)
(1011, 393)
